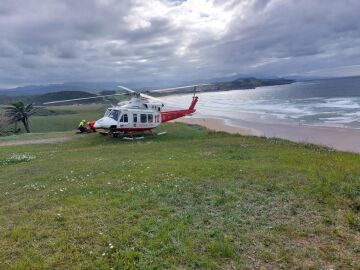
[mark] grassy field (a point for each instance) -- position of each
(188, 200)
(66, 121)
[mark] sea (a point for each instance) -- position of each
(325, 102)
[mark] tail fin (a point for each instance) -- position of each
(193, 104)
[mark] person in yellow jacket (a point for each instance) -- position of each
(82, 127)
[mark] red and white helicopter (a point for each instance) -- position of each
(142, 113)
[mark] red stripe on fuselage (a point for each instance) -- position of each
(128, 129)
(134, 129)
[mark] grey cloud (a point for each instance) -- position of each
(289, 29)
(54, 41)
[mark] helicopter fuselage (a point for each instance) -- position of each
(138, 115)
(126, 120)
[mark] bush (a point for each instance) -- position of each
(3, 123)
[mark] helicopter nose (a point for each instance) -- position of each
(97, 124)
(105, 122)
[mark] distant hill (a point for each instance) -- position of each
(44, 93)
(251, 83)
(30, 90)
(40, 99)
(62, 95)
(237, 84)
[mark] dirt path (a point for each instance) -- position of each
(37, 141)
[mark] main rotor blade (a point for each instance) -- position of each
(139, 93)
(76, 99)
(164, 90)
(176, 88)
(150, 97)
(127, 89)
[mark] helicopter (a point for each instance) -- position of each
(141, 113)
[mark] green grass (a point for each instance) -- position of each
(68, 118)
(34, 136)
(192, 199)
(62, 118)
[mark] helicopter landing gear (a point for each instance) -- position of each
(113, 132)
(130, 137)
(133, 138)
(162, 133)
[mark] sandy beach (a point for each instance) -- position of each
(342, 139)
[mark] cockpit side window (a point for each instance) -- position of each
(114, 114)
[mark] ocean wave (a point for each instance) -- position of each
(279, 104)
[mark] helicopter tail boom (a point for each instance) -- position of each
(172, 115)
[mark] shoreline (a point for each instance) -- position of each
(342, 139)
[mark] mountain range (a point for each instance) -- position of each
(97, 87)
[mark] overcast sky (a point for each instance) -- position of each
(174, 41)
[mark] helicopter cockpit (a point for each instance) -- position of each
(112, 113)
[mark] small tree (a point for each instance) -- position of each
(20, 112)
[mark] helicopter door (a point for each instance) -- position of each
(124, 119)
(157, 117)
(150, 118)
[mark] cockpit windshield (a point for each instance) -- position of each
(108, 111)
(114, 114)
